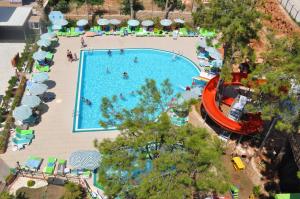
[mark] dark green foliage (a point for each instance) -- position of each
(256, 190)
(239, 23)
(276, 98)
(137, 5)
(170, 5)
(73, 191)
(62, 6)
(185, 160)
(6, 195)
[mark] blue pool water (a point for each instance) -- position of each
(94, 82)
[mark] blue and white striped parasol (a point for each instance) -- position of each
(48, 35)
(165, 22)
(37, 89)
(22, 113)
(147, 23)
(85, 160)
(103, 22)
(39, 77)
(82, 22)
(114, 22)
(44, 43)
(133, 22)
(39, 55)
(31, 101)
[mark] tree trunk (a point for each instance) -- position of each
(131, 9)
(281, 153)
(274, 120)
(166, 9)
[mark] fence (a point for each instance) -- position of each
(292, 7)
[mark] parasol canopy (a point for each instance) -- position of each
(165, 22)
(22, 113)
(82, 22)
(133, 22)
(85, 160)
(147, 23)
(103, 22)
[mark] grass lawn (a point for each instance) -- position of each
(50, 191)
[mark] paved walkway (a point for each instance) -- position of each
(54, 135)
(7, 52)
(22, 182)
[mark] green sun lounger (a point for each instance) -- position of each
(61, 167)
(49, 169)
(49, 56)
(24, 132)
(41, 68)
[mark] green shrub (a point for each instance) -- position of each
(9, 179)
(30, 183)
(62, 6)
(256, 191)
(13, 81)
(6, 195)
(73, 191)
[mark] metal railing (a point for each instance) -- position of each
(292, 8)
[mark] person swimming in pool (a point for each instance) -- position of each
(107, 70)
(86, 101)
(125, 75)
(109, 52)
(121, 51)
(122, 97)
(135, 60)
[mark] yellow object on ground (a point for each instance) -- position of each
(238, 163)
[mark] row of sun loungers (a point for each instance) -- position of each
(139, 32)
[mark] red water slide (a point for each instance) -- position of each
(252, 125)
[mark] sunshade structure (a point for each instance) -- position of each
(48, 36)
(37, 89)
(82, 22)
(147, 23)
(85, 160)
(39, 77)
(166, 22)
(61, 22)
(180, 21)
(22, 113)
(103, 22)
(114, 22)
(55, 15)
(56, 27)
(31, 101)
(213, 53)
(133, 22)
(44, 43)
(39, 55)
(202, 43)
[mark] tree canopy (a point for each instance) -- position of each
(131, 7)
(169, 5)
(151, 158)
(238, 23)
(73, 191)
(278, 96)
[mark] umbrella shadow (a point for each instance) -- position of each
(48, 97)
(42, 108)
(50, 83)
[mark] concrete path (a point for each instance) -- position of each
(54, 135)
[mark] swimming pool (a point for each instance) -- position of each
(101, 75)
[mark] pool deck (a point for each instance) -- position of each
(54, 136)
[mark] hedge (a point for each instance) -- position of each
(4, 135)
